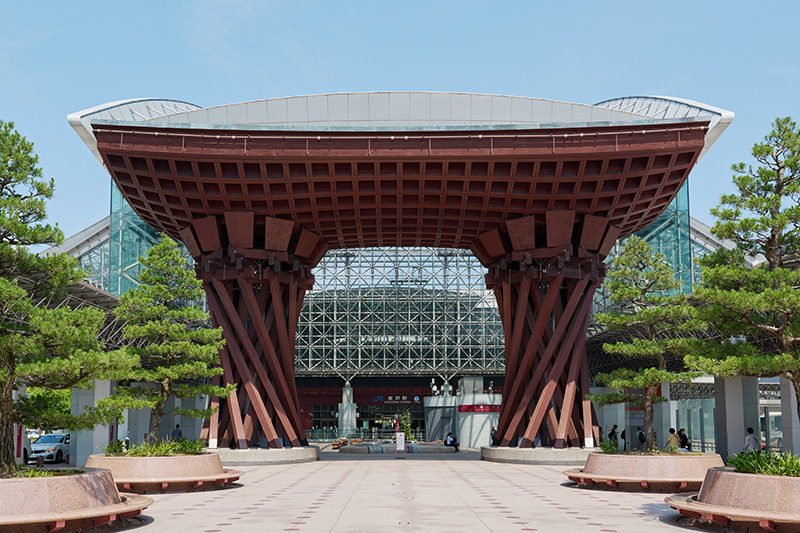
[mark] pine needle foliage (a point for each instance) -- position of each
(178, 354)
(643, 286)
(52, 348)
(761, 304)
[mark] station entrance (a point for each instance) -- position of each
(539, 204)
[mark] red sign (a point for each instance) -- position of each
(478, 408)
(19, 440)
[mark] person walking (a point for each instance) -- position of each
(492, 433)
(750, 442)
(686, 444)
(176, 433)
(641, 439)
(673, 441)
(612, 436)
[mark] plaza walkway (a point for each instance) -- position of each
(444, 493)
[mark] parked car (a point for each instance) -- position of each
(21, 453)
(53, 447)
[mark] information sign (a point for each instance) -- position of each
(400, 443)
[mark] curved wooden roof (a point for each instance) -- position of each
(402, 188)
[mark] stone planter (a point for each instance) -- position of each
(656, 473)
(76, 502)
(172, 473)
(741, 501)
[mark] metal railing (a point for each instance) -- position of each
(371, 434)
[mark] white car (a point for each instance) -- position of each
(22, 445)
(53, 447)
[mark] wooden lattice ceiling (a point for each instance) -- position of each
(442, 188)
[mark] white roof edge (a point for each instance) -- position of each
(137, 110)
(725, 119)
(86, 238)
(346, 93)
(80, 120)
(700, 231)
(714, 133)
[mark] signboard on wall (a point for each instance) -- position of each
(396, 399)
(479, 408)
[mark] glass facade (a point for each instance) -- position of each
(698, 417)
(399, 311)
(669, 234)
(129, 238)
(96, 262)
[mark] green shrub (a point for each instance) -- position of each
(116, 447)
(770, 463)
(608, 446)
(158, 449)
(26, 471)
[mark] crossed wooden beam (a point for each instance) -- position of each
(543, 271)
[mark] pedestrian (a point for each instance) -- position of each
(673, 441)
(686, 443)
(750, 442)
(450, 440)
(491, 435)
(612, 436)
(176, 433)
(624, 441)
(641, 439)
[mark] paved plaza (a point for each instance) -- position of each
(439, 493)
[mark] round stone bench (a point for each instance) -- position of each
(172, 473)
(742, 501)
(76, 502)
(656, 473)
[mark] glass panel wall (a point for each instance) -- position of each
(400, 310)
(670, 235)
(96, 263)
(129, 238)
(698, 418)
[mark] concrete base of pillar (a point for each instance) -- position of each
(260, 456)
(736, 409)
(537, 456)
(85, 443)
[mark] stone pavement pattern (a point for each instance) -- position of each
(436, 493)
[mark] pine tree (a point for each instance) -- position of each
(51, 348)
(763, 303)
(641, 283)
(177, 352)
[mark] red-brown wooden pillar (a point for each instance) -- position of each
(544, 272)
(255, 274)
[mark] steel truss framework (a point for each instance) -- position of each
(539, 209)
(390, 311)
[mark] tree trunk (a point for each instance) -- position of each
(7, 464)
(154, 433)
(649, 425)
(796, 383)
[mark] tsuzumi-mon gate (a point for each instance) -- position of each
(539, 190)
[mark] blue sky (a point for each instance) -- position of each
(61, 57)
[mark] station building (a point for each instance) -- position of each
(384, 328)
